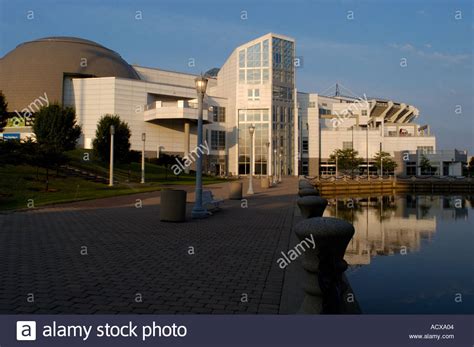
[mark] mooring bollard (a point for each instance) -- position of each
(325, 264)
(305, 184)
(312, 206)
(308, 192)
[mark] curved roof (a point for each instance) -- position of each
(37, 67)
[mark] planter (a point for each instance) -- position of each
(173, 205)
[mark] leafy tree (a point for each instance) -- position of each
(3, 111)
(389, 165)
(347, 160)
(11, 152)
(56, 131)
(425, 165)
(55, 127)
(101, 143)
(167, 161)
(470, 167)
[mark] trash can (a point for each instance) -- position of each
(173, 205)
(235, 190)
(265, 182)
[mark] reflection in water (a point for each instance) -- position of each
(435, 234)
(392, 224)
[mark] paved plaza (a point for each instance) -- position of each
(110, 256)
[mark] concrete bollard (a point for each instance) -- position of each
(235, 190)
(312, 206)
(308, 192)
(173, 205)
(325, 264)
(264, 183)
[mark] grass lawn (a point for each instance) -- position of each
(19, 184)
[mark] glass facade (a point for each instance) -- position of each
(268, 61)
(261, 136)
(253, 63)
(283, 72)
(283, 61)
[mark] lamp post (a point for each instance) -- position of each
(111, 164)
(280, 168)
(274, 166)
(198, 211)
(143, 158)
(268, 157)
(367, 149)
(251, 131)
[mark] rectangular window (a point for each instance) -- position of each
(311, 104)
(347, 145)
(217, 140)
(253, 94)
(265, 54)
(241, 76)
(242, 58)
(253, 76)
(218, 114)
(305, 146)
(364, 112)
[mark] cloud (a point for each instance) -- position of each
(437, 56)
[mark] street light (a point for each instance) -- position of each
(111, 164)
(268, 157)
(143, 158)
(274, 166)
(280, 168)
(198, 211)
(251, 131)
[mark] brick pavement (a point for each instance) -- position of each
(131, 252)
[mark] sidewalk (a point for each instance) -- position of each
(223, 264)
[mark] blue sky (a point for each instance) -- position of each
(363, 54)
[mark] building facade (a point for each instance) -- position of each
(295, 132)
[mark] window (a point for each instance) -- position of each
(304, 166)
(241, 76)
(282, 93)
(253, 76)
(242, 58)
(218, 114)
(425, 149)
(258, 117)
(311, 104)
(347, 145)
(217, 140)
(364, 112)
(253, 94)
(305, 146)
(323, 111)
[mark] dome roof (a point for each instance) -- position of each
(37, 67)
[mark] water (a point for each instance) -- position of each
(410, 254)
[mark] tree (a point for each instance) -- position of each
(55, 127)
(101, 143)
(56, 131)
(347, 160)
(3, 111)
(425, 165)
(384, 160)
(470, 167)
